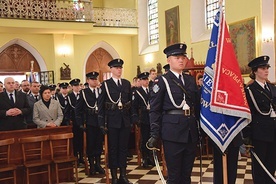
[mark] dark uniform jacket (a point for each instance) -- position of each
(180, 127)
(70, 109)
(262, 127)
(63, 104)
(139, 108)
(85, 110)
(13, 122)
(106, 107)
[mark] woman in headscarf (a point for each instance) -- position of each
(47, 112)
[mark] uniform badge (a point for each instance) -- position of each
(155, 88)
(133, 97)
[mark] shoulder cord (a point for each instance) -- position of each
(60, 104)
(183, 89)
(84, 97)
(107, 91)
(146, 104)
(69, 100)
(255, 103)
(170, 95)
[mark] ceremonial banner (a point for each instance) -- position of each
(32, 77)
(224, 109)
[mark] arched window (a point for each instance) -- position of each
(153, 22)
(148, 32)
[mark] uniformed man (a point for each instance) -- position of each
(140, 115)
(174, 105)
(87, 112)
(166, 68)
(114, 110)
(152, 77)
(53, 91)
(70, 114)
(63, 101)
(261, 96)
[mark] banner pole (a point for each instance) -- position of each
(224, 169)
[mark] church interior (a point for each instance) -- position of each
(59, 40)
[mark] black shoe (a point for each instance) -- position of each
(92, 171)
(129, 156)
(123, 179)
(99, 169)
(145, 163)
(91, 164)
(114, 181)
(81, 161)
(114, 176)
(151, 162)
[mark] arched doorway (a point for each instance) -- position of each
(98, 58)
(16, 61)
(97, 61)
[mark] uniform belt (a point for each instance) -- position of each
(112, 106)
(91, 111)
(181, 112)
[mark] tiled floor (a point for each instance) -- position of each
(140, 175)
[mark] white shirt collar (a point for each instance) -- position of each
(176, 74)
(260, 83)
(116, 80)
(11, 93)
(144, 88)
(92, 89)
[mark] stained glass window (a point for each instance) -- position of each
(153, 22)
(212, 7)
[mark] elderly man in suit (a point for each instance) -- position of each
(13, 107)
(47, 112)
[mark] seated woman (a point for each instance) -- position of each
(47, 112)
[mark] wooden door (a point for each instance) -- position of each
(98, 61)
(16, 59)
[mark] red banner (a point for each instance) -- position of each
(228, 95)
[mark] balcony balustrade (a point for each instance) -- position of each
(68, 11)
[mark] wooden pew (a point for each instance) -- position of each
(16, 152)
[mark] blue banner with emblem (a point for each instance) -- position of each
(221, 125)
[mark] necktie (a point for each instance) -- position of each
(266, 88)
(36, 97)
(119, 84)
(11, 98)
(147, 90)
(180, 79)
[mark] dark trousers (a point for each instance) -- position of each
(94, 138)
(145, 135)
(232, 164)
(77, 139)
(266, 151)
(180, 159)
(118, 146)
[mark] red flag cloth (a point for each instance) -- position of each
(228, 95)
